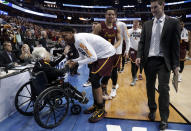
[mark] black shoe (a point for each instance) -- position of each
(151, 116)
(163, 125)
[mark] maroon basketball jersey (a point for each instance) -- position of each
(108, 34)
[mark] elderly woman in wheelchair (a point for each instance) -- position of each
(45, 64)
(46, 97)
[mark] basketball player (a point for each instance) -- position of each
(96, 50)
(109, 30)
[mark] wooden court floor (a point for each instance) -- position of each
(131, 101)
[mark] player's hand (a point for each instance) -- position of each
(71, 63)
(66, 50)
(138, 61)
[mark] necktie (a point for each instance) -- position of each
(9, 54)
(157, 37)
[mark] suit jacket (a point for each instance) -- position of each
(169, 42)
(5, 60)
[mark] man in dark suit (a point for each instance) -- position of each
(159, 49)
(7, 57)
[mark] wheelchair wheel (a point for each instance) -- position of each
(24, 100)
(55, 107)
(76, 109)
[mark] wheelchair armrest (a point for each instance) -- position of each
(56, 82)
(60, 80)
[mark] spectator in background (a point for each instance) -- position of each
(58, 47)
(43, 39)
(7, 56)
(5, 34)
(16, 48)
(25, 56)
(18, 36)
(29, 40)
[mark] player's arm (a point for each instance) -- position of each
(118, 38)
(86, 52)
(97, 29)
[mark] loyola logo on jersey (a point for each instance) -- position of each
(109, 35)
(83, 49)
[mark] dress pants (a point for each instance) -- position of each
(155, 66)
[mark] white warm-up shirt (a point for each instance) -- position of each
(124, 36)
(92, 47)
(135, 36)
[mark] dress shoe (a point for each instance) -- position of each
(151, 116)
(163, 125)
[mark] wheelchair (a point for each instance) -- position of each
(49, 103)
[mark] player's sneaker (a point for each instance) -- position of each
(113, 92)
(117, 86)
(98, 115)
(133, 82)
(140, 77)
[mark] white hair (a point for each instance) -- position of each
(43, 32)
(40, 53)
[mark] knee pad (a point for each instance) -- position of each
(95, 80)
(105, 80)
